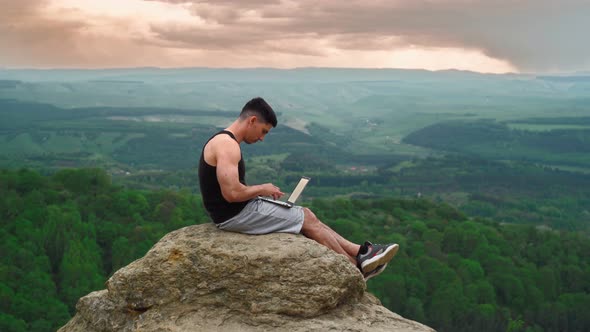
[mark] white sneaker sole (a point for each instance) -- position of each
(381, 259)
(376, 272)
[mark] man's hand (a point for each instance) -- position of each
(268, 189)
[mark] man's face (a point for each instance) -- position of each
(257, 129)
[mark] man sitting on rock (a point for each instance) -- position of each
(234, 206)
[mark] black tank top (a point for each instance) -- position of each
(218, 208)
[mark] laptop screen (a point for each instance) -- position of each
(300, 186)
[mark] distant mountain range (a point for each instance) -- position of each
(233, 74)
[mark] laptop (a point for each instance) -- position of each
(294, 195)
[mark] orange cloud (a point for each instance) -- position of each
(489, 36)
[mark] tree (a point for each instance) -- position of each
(122, 253)
(447, 306)
(469, 270)
(9, 323)
(414, 309)
(80, 270)
(90, 181)
(55, 236)
(481, 292)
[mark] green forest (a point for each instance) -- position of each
(484, 180)
(485, 168)
(495, 140)
(63, 234)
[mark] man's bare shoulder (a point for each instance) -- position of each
(224, 145)
(224, 140)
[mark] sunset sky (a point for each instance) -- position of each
(486, 36)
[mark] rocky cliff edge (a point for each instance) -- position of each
(199, 278)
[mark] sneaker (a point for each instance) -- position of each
(375, 272)
(372, 255)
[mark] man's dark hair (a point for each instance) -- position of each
(259, 107)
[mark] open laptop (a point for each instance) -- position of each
(294, 195)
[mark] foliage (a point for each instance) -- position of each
(62, 235)
(459, 274)
(495, 140)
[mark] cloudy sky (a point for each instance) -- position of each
(485, 36)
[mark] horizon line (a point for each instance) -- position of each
(294, 69)
(263, 68)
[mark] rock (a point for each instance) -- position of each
(199, 278)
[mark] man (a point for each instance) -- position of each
(234, 206)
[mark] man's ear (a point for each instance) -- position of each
(252, 119)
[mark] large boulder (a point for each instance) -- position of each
(199, 278)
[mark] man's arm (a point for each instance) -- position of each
(228, 157)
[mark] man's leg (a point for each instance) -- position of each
(351, 248)
(314, 229)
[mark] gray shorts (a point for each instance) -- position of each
(262, 217)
